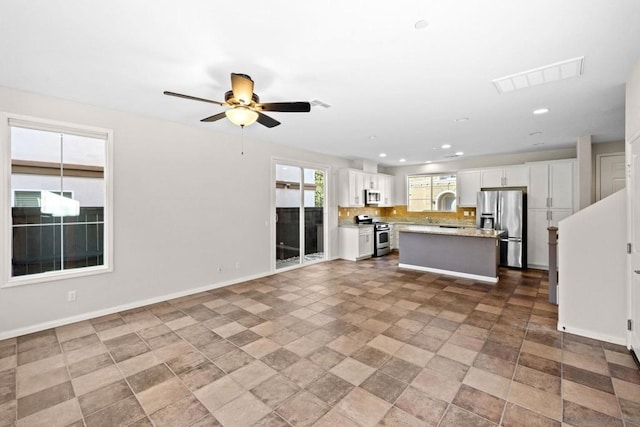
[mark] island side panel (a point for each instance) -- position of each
(471, 255)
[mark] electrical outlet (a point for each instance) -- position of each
(394, 211)
(466, 213)
(473, 213)
(71, 296)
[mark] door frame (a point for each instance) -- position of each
(599, 169)
(633, 298)
(325, 216)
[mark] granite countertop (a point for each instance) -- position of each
(354, 225)
(434, 229)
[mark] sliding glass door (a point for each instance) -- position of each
(300, 215)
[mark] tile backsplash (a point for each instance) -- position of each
(399, 214)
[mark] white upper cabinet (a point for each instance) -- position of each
(509, 176)
(516, 176)
(467, 187)
(371, 181)
(551, 185)
(491, 178)
(351, 188)
(561, 185)
(385, 186)
(353, 182)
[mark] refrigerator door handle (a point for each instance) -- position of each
(511, 239)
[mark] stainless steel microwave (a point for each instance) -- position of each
(371, 197)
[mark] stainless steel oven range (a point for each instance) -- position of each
(381, 234)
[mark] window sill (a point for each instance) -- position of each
(54, 275)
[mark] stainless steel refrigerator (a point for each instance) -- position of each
(506, 210)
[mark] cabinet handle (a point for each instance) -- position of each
(550, 202)
(548, 215)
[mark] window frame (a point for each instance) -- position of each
(6, 194)
(431, 175)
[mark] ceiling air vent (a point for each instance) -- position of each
(318, 103)
(542, 75)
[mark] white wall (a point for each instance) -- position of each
(185, 203)
(592, 271)
(402, 172)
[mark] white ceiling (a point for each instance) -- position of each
(392, 88)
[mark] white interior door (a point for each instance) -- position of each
(612, 175)
(634, 212)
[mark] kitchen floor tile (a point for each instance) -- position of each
(303, 409)
(363, 406)
(335, 343)
(275, 391)
(418, 404)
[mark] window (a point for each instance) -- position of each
(432, 193)
(59, 206)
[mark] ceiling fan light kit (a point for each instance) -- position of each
(241, 116)
(244, 105)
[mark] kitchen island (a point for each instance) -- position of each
(464, 252)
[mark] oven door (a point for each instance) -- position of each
(381, 243)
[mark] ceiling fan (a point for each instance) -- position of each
(245, 106)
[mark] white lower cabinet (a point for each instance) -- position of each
(356, 243)
(538, 236)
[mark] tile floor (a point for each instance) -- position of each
(332, 344)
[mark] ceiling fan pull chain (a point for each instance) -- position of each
(242, 143)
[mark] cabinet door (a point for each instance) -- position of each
(467, 187)
(356, 188)
(537, 238)
(366, 244)
(561, 186)
(516, 176)
(385, 186)
(538, 189)
(490, 178)
(371, 181)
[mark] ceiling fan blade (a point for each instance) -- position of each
(194, 98)
(267, 121)
(214, 117)
(242, 87)
(286, 107)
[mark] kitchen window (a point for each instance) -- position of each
(433, 192)
(58, 212)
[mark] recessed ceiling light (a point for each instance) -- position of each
(421, 24)
(402, 160)
(459, 153)
(461, 119)
(541, 111)
(429, 161)
(445, 146)
(535, 134)
(372, 137)
(382, 154)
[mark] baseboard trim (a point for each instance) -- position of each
(622, 340)
(141, 303)
(450, 273)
